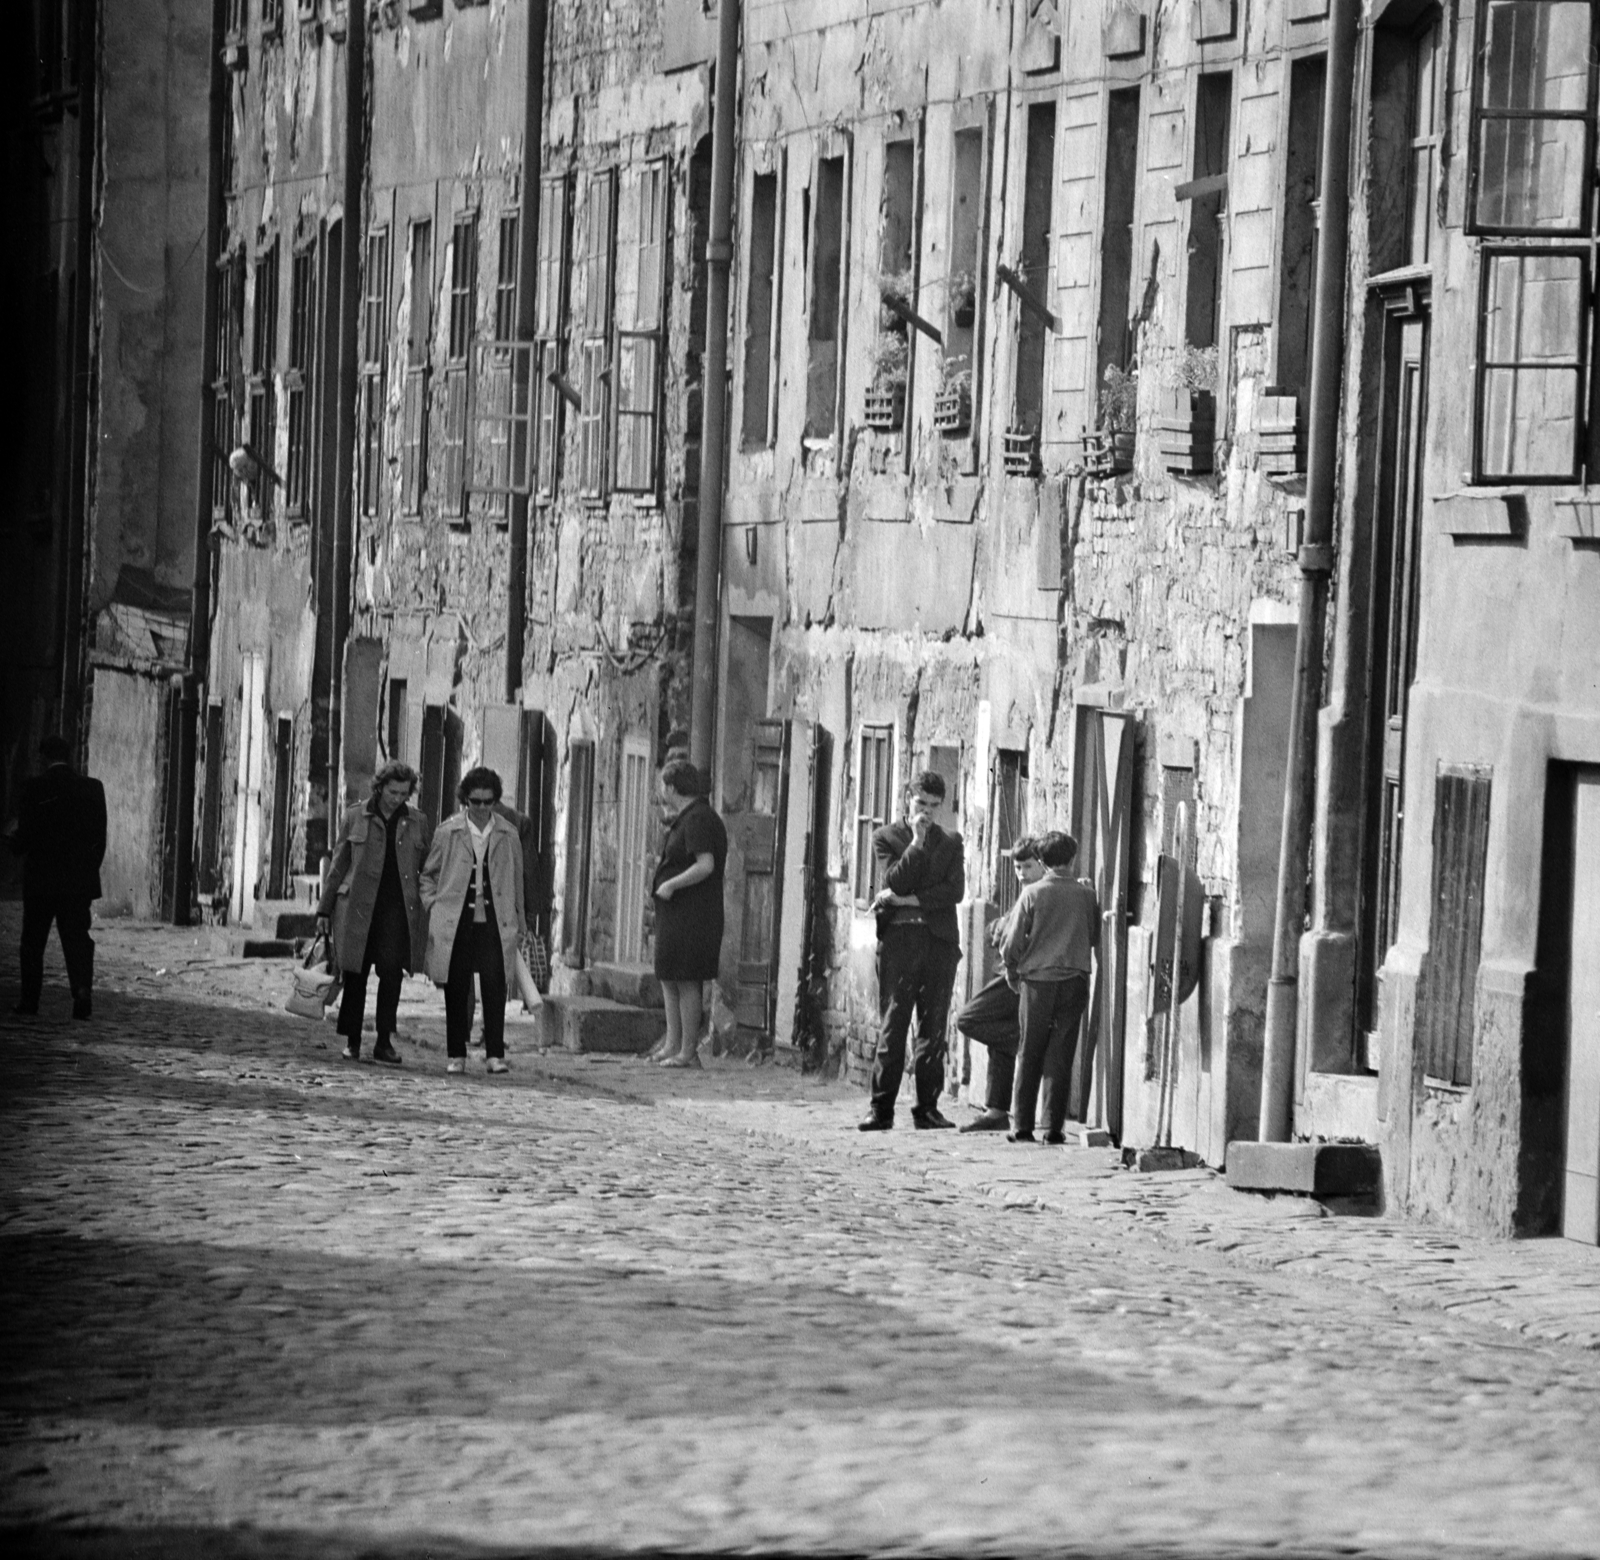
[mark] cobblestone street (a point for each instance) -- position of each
(258, 1301)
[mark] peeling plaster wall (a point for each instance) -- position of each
(914, 581)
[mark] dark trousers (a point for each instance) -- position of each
(476, 951)
(916, 973)
(71, 919)
(1049, 1012)
(388, 950)
(990, 1018)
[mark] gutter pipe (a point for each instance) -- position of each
(1278, 1069)
(194, 676)
(714, 398)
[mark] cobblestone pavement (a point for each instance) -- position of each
(255, 1301)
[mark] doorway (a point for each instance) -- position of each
(247, 794)
(1559, 1172)
(633, 849)
(1392, 653)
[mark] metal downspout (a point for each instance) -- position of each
(352, 227)
(714, 402)
(194, 677)
(527, 316)
(1316, 566)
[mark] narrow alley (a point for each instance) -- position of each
(259, 1301)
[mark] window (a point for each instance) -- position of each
(224, 372)
(502, 411)
(594, 349)
(398, 733)
(463, 307)
(1424, 159)
(550, 324)
(1010, 819)
(1207, 205)
(1115, 348)
(1297, 270)
(889, 388)
(956, 412)
(414, 407)
(263, 366)
(827, 288)
(1531, 183)
(760, 312)
(374, 361)
(1034, 269)
(874, 805)
(505, 281)
(579, 835)
(271, 18)
(1532, 113)
(302, 290)
(639, 350)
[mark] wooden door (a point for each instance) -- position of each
(633, 847)
(247, 791)
(797, 875)
(760, 838)
(1580, 1203)
(1102, 813)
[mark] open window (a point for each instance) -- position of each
(297, 377)
(641, 344)
(502, 387)
(263, 429)
(462, 322)
(1207, 194)
(1031, 284)
(419, 336)
(1115, 386)
(224, 381)
(894, 351)
(955, 405)
(374, 361)
(761, 312)
(825, 314)
(594, 346)
(550, 326)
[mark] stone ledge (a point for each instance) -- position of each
(1311, 1169)
(597, 1024)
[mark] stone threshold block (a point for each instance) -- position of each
(580, 1023)
(1160, 1159)
(1310, 1169)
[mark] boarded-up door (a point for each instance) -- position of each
(633, 836)
(1102, 803)
(247, 790)
(1580, 1203)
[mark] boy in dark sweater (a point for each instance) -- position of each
(1048, 949)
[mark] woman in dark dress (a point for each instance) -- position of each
(688, 898)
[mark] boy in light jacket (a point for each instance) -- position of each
(1047, 953)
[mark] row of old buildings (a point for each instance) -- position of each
(1168, 419)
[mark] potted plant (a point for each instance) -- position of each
(963, 299)
(952, 406)
(1109, 451)
(1188, 427)
(885, 407)
(897, 286)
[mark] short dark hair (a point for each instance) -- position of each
(677, 742)
(479, 779)
(684, 778)
(1025, 847)
(55, 749)
(929, 781)
(1057, 849)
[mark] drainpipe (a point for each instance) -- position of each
(714, 385)
(1316, 567)
(75, 555)
(351, 228)
(527, 316)
(194, 677)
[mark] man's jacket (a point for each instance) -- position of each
(935, 871)
(61, 835)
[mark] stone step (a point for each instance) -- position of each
(633, 985)
(1311, 1169)
(584, 1023)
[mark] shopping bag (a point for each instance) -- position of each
(526, 988)
(316, 982)
(538, 960)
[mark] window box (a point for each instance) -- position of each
(952, 409)
(1280, 451)
(1021, 452)
(1187, 432)
(885, 407)
(235, 53)
(1108, 453)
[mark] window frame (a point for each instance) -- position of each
(595, 353)
(866, 880)
(418, 373)
(377, 255)
(461, 331)
(296, 377)
(636, 395)
(551, 299)
(1477, 114)
(261, 391)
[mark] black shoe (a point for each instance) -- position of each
(351, 1053)
(1019, 1137)
(386, 1053)
(989, 1121)
(82, 1006)
(1056, 1139)
(875, 1123)
(926, 1120)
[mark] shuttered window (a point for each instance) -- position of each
(1447, 999)
(550, 324)
(594, 390)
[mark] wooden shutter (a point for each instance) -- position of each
(1446, 1003)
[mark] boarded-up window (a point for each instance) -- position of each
(1447, 999)
(874, 805)
(580, 817)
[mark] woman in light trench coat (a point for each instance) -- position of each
(472, 887)
(374, 904)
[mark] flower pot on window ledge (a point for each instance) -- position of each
(885, 407)
(952, 409)
(1021, 452)
(1187, 432)
(1108, 453)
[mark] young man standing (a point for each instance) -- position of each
(924, 878)
(1047, 952)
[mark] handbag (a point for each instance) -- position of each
(538, 956)
(316, 982)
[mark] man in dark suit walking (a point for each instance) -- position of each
(61, 837)
(919, 947)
